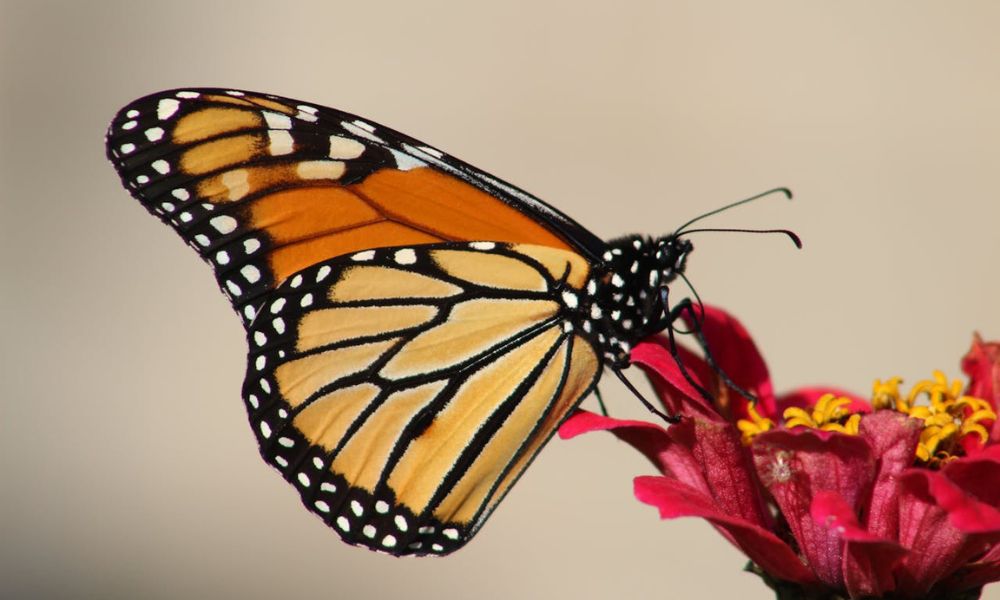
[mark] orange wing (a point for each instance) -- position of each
(403, 391)
(263, 187)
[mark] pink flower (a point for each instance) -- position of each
(828, 494)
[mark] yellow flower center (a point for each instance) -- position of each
(948, 416)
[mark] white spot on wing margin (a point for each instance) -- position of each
(166, 108)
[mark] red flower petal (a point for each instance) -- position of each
(992, 555)
(767, 550)
(714, 457)
(937, 548)
(737, 355)
(678, 395)
(705, 455)
(985, 570)
(982, 364)
(796, 465)
(868, 559)
(969, 490)
(648, 438)
(893, 438)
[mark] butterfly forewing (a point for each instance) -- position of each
(263, 187)
(402, 391)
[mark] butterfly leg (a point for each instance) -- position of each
(649, 406)
(600, 401)
(677, 312)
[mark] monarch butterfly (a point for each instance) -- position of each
(418, 329)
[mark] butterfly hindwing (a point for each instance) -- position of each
(403, 390)
(263, 187)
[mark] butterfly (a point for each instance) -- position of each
(417, 328)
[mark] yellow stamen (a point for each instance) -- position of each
(972, 403)
(886, 395)
(947, 416)
(797, 417)
(976, 428)
(853, 424)
(828, 415)
(830, 408)
(754, 426)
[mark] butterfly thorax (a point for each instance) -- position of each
(625, 300)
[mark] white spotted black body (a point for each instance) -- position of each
(624, 301)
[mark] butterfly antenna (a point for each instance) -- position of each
(791, 234)
(668, 418)
(779, 190)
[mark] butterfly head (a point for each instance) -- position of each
(670, 255)
(668, 259)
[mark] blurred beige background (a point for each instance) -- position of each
(127, 469)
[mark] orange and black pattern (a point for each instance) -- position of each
(262, 187)
(418, 329)
(454, 364)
